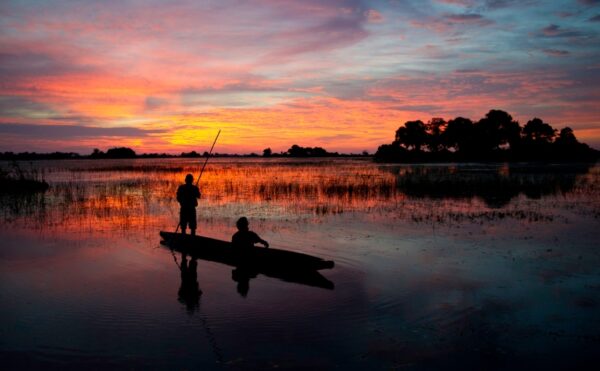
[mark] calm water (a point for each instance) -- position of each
(442, 266)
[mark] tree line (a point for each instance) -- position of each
(125, 152)
(495, 137)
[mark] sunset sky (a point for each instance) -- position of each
(162, 76)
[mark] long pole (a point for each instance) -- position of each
(203, 167)
(207, 157)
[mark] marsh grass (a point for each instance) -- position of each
(126, 195)
(16, 180)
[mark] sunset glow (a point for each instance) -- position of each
(344, 75)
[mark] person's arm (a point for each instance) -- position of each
(179, 194)
(257, 239)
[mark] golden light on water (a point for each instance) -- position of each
(140, 194)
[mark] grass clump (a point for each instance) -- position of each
(16, 180)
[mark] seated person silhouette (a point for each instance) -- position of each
(244, 238)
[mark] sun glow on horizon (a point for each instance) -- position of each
(343, 75)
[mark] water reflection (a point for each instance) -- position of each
(495, 185)
(282, 265)
(242, 276)
(189, 292)
(80, 260)
(138, 195)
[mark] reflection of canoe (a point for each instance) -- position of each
(286, 265)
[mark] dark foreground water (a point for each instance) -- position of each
(442, 266)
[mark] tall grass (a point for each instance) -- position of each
(130, 194)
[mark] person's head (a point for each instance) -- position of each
(242, 224)
(189, 179)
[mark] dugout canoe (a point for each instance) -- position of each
(223, 251)
(282, 264)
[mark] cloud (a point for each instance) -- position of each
(464, 3)
(499, 4)
(72, 131)
(556, 31)
(556, 52)
(487, 4)
(279, 68)
(34, 64)
(446, 23)
(154, 102)
(468, 18)
(589, 2)
(332, 34)
(595, 18)
(15, 106)
(373, 16)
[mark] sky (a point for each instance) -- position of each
(165, 76)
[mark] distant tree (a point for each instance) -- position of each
(495, 129)
(484, 141)
(568, 148)
(96, 153)
(120, 152)
(192, 154)
(297, 151)
(317, 152)
(390, 152)
(537, 130)
(566, 137)
(435, 127)
(267, 152)
(458, 134)
(412, 135)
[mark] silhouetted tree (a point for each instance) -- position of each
(537, 130)
(495, 129)
(458, 134)
(192, 154)
(566, 137)
(435, 127)
(297, 151)
(267, 152)
(412, 134)
(317, 152)
(120, 152)
(536, 142)
(568, 148)
(96, 153)
(496, 137)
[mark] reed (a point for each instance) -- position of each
(141, 196)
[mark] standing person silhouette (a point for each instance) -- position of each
(187, 196)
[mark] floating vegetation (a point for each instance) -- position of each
(18, 181)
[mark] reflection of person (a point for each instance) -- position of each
(187, 196)
(189, 291)
(244, 237)
(242, 276)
